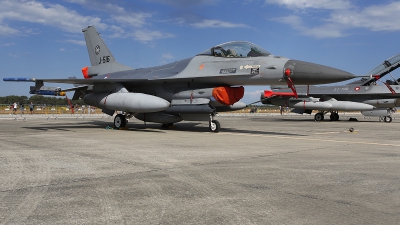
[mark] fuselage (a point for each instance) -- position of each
(204, 71)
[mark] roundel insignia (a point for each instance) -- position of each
(357, 88)
(97, 49)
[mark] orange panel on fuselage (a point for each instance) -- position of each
(228, 95)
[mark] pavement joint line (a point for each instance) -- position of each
(312, 139)
(332, 132)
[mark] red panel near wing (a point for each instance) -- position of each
(269, 93)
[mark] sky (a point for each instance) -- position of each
(44, 39)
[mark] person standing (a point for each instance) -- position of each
(21, 108)
(15, 108)
(31, 108)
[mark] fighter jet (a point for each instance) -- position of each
(363, 95)
(192, 89)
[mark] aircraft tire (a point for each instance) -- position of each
(334, 117)
(388, 119)
(119, 121)
(214, 126)
(319, 117)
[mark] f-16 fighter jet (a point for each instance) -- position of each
(192, 89)
(363, 95)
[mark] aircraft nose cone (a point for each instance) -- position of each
(311, 73)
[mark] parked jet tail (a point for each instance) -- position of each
(101, 59)
(96, 48)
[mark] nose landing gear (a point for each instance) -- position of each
(214, 125)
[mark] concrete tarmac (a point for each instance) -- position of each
(257, 170)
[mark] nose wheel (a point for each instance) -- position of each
(214, 126)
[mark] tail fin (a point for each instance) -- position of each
(96, 48)
(100, 56)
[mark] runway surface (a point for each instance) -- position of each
(257, 170)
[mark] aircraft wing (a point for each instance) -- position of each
(212, 80)
(80, 87)
(74, 81)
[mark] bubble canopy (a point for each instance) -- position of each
(236, 49)
(383, 66)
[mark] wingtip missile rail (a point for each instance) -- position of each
(37, 90)
(19, 79)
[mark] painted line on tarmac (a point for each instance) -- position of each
(332, 132)
(311, 139)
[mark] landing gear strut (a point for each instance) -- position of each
(214, 125)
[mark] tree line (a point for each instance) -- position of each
(38, 100)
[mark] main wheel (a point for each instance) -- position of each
(119, 121)
(388, 119)
(214, 126)
(334, 116)
(319, 117)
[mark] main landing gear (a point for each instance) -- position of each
(386, 119)
(334, 116)
(120, 120)
(320, 116)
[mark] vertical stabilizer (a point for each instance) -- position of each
(100, 56)
(98, 51)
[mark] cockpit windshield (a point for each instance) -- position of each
(236, 49)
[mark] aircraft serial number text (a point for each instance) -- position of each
(104, 59)
(341, 89)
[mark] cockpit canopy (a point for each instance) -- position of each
(236, 49)
(383, 66)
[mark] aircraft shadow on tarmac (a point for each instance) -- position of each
(199, 127)
(243, 131)
(345, 120)
(150, 127)
(98, 125)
